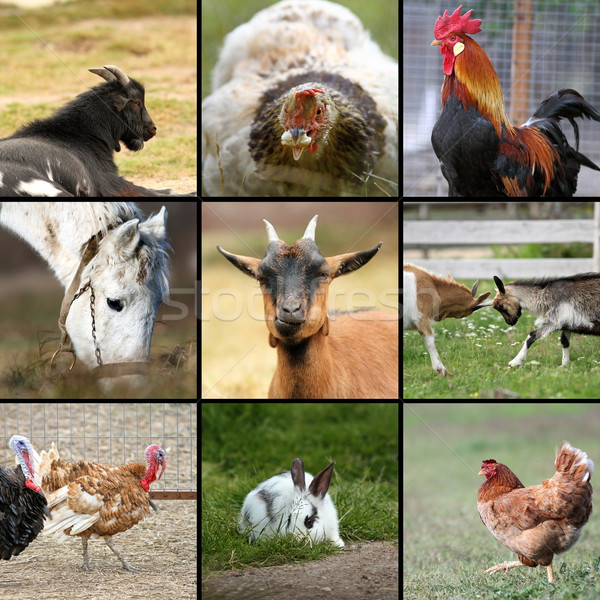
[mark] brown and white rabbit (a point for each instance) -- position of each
(283, 504)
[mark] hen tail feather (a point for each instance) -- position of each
(575, 462)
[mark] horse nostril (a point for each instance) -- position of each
(115, 304)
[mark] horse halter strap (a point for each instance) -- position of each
(72, 294)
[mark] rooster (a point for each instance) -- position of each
(87, 498)
(304, 103)
(539, 521)
(480, 152)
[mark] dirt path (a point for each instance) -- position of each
(366, 571)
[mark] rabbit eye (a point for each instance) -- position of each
(310, 520)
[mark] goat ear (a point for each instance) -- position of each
(499, 285)
(474, 288)
(246, 264)
(346, 263)
(479, 300)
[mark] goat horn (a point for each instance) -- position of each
(118, 73)
(309, 234)
(111, 73)
(273, 237)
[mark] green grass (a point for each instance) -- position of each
(446, 546)
(245, 444)
(477, 350)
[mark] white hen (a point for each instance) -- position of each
(304, 103)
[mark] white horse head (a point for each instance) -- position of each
(114, 297)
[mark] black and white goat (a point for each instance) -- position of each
(70, 153)
(566, 304)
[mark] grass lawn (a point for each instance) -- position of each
(477, 350)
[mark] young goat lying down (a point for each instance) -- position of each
(566, 304)
(428, 297)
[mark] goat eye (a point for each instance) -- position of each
(115, 304)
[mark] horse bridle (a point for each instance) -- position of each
(66, 345)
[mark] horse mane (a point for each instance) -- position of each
(106, 214)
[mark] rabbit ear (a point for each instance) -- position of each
(320, 484)
(298, 474)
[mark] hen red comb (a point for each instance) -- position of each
(309, 92)
(454, 22)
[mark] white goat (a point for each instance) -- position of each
(428, 297)
(566, 304)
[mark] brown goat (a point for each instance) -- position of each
(428, 297)
(342, 355)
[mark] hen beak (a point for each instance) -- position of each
(298, 139)
(297, 151)
(481, 473)
(436, 43)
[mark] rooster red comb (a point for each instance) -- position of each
(454, 22)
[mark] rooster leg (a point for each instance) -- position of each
(86, 560)
(505, 566)
(550, 574)
(125, 564)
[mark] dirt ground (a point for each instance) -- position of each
(183, 185)
(366, 571)
(162, 547)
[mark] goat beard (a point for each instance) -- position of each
(133, 144)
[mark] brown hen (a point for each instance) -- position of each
(539, 521)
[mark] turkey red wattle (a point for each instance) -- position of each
(155, 456)
(304, 117)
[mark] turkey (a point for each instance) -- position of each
(90, 499)
(22, 504)
(304, 103)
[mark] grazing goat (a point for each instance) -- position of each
(71, 152)
(566, 304)
(344, 355)
(428, 297)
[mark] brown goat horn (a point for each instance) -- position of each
(309, 234)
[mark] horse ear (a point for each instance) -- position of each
(156, 225)
(127, 238)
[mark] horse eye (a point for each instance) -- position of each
(115, 304)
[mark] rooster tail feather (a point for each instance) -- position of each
(563, 104)
(567, 104)
(570, 460)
